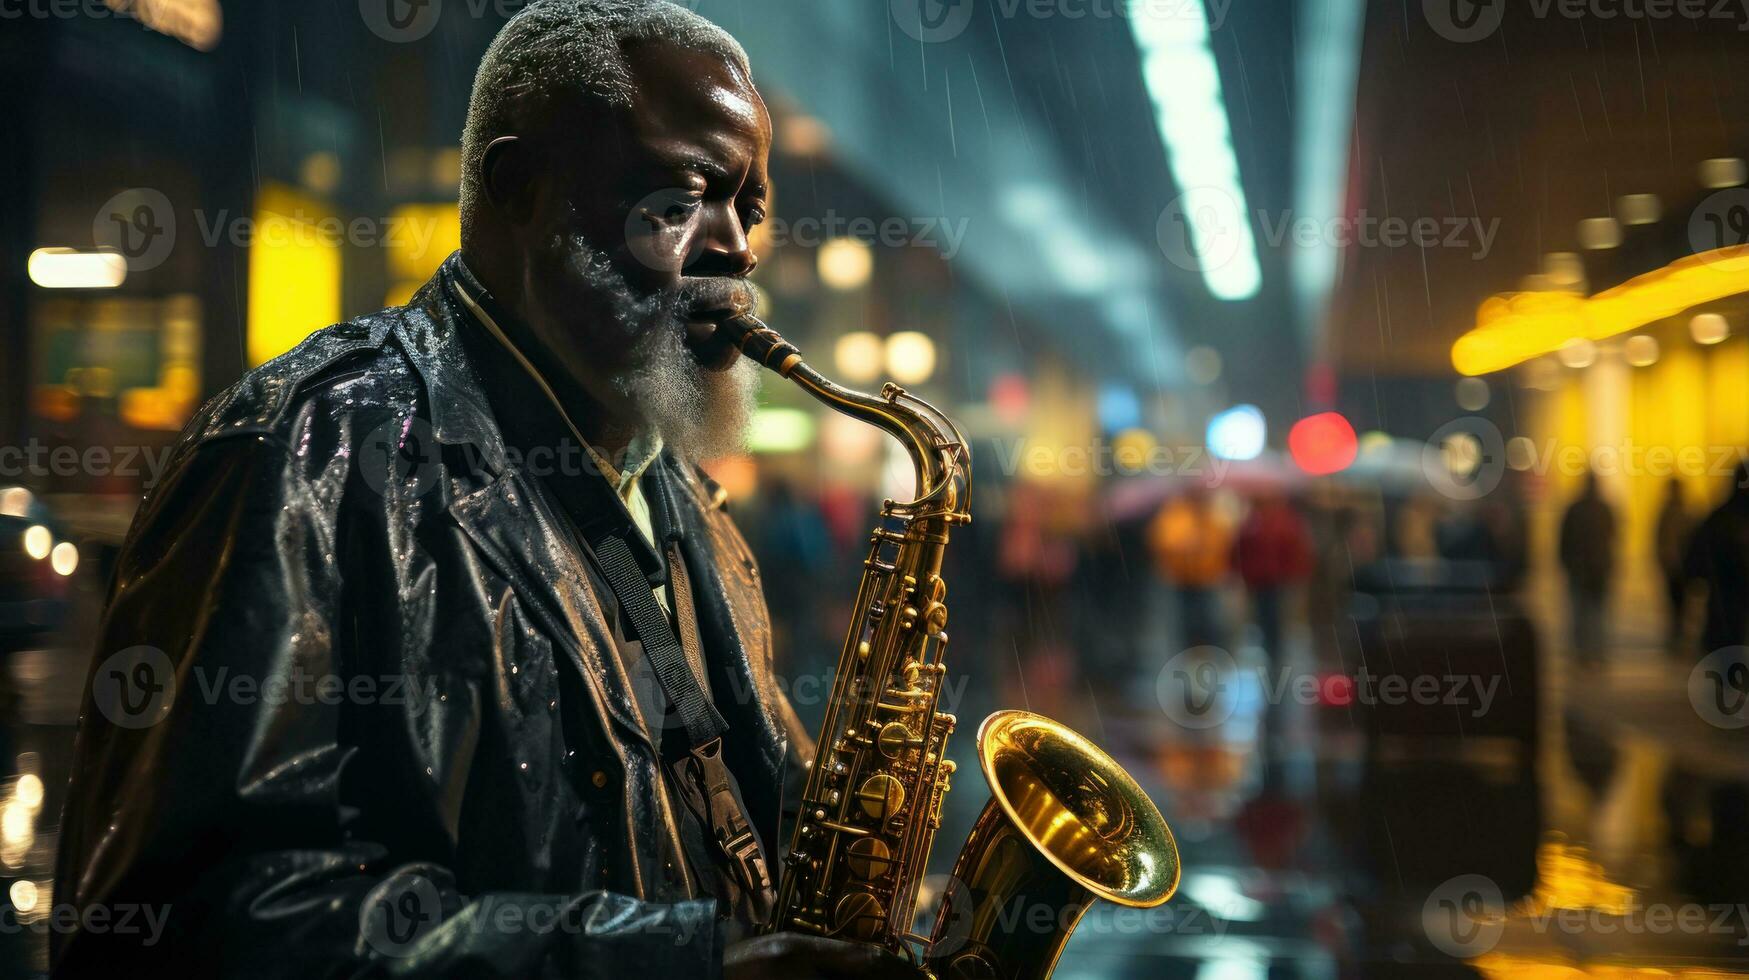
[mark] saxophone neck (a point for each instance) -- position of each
(938, 451)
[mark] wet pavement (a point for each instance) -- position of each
(1631, 863)
(41, 691)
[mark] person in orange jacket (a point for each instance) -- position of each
(1192, 549)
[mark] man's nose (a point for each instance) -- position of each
(726, 250)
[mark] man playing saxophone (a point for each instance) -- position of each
(468, 536)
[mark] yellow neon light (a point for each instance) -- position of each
(294, 271)
(1514, 327)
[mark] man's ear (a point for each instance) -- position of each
(507, 173)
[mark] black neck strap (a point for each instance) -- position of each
(686, 697)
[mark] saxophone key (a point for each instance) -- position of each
(860, 916)
(881, 796)
(870, 858)
(895, 738)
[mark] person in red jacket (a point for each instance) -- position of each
(1272, 554)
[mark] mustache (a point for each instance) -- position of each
(633, 311)
(726, 295)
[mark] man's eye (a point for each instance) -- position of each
(755, 217)
(674, 209)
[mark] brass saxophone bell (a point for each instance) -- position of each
(1065, 826)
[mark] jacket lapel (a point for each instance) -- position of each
(737, 632)
(512, 523)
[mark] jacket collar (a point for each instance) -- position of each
(456, 400)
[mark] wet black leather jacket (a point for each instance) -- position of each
(356, 712)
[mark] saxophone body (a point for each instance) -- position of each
(1065, 824)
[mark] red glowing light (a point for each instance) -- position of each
(1011, 398)
(1323, 444)
(1336, 690)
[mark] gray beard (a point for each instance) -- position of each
(700, 414)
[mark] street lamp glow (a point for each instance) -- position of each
(64, 559)
(65, 268)
(38, 541)
(1238, 434)
(1641, 350)
(846, 264)
(910, 357)
(1578, 353)
(23, 895)
(15, 502)
(1709, 328)
(859, 356)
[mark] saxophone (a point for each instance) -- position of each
(1065, 824)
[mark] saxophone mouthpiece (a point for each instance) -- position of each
(753, 338)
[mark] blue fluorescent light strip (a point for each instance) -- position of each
(1185, 84)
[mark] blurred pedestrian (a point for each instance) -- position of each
(1273, 555)
(1718, 555)
(1587, 549)
(1670, 545)
(1192, 548)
